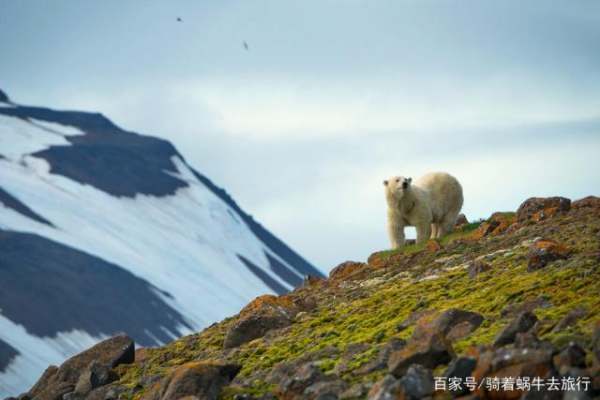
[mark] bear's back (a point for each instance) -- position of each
(444, 190)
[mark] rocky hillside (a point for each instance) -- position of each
(512, 302)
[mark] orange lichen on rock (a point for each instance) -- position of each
(544, 251)
(433, 246)
(346, 270)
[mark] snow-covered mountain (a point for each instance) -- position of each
(104, 230)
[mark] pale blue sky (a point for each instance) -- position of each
(332, 97)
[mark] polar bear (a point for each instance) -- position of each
(431, 205)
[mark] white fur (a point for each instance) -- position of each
(431, 204)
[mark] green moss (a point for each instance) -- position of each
(373, 317)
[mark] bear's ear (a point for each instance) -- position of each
(385, 183)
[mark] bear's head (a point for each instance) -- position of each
(397, 186)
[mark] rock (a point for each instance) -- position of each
(141, 355)
(509, 362)
(381, 361)
(254, 327)
(95, 375)
(461, 367)
(529, 340)
(522, 323)
(485, 229)
(433, 245)
(310, 280)
(513, 310)
(56, 382)
(477, 267)
(586, 202)
(412, 318)
(417, 383)
(286, 370)
(346, 270)
(293, 386)
(577, 373)
(105, 393)
(388, 388)
(201, 379)
(262, 315)
(570, 319)
(540, 208)
(498, 223)
(55, 391)
(325, 390)
(544, 251)
(429, 352)
(356, 391)
(43, 382)
(453, 324)
(110, 353)
(461, 220)
(572, 355)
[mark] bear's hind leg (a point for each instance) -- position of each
(447, 225)
(434, 230)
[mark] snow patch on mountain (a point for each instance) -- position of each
(113, 204)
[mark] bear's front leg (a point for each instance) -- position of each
(395, 232)
(423, 233)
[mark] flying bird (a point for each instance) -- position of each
(179, 19)
(245, 45)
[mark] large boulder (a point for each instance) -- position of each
(477, 267)
(453, 324)
(325, 390)
(586, 202)
(346, 270)
(388, 388)
(460, 368)
(294, 385)
(94, 376)
(428, 351)
(498, 223)
(572, 355)
(262, 315)
(544, 251)
(417, 382)
(92, 366)
(500, 364)
(539, 208)
(522, 323)
(201, 379)
(461, 220)
(43, 382)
